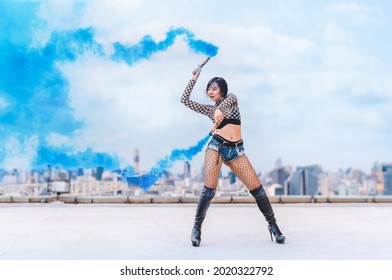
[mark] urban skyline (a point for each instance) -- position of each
(280, 180)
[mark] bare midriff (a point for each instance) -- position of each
(231, 132)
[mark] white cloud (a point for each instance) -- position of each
(335, 33)
(56, 139)
(19, 154)
(360, 13)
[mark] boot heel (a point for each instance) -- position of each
(272, 240)
(274, 230)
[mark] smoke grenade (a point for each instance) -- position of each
(198, 69)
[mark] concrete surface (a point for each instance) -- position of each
(59, 231)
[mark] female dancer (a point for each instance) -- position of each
(226, 146)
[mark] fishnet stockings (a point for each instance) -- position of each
(241, 167)
(244, 170)
(212, 166)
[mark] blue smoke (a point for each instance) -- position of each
(34, 94)
(147, 46)
(34, 91)
(72, 160)
(148, 180)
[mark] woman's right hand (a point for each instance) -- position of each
(196, 73)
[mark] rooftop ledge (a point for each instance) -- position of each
(193, 199)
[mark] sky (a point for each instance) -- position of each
(312, 79)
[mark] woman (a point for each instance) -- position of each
(226, 146)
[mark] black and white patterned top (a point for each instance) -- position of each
(228, 106)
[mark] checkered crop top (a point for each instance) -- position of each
(228, 106)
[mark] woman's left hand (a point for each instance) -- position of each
(218, 116)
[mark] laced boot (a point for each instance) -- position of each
(265, 207)
(204, 203)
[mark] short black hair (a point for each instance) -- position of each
(221, 84)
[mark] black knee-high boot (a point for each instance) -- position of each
(265, 207)
(204, 202)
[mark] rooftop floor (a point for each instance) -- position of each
(59, 231)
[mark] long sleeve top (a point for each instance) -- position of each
(228, 106)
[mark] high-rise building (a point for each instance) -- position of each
(304, 181)
(202, 173)
(278, 163)
(329, 183)
(387, 170)
(80, 172)
(187, 169)
(357, 175)
(232, 177)
(349, 187)
(136, 161)
(98, 173)
(279, 175)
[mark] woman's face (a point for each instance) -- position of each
(214, 92)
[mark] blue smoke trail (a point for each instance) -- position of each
(72, 160)
(147, 46)
(148, 180)
(34, 94)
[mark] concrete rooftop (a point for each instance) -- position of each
(314, 231)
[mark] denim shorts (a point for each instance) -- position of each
(227, 149)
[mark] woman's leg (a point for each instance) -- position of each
(244, 170)
(212, 166)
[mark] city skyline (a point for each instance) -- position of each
(281, 180)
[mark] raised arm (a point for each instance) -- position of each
(207, 110)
